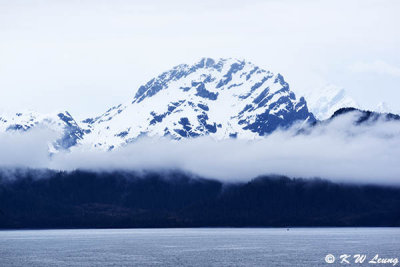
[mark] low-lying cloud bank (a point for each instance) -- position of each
(337, 150)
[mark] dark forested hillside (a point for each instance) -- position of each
(82, 199)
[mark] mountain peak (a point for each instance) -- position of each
(223, 98)
(204, 66)
(59, 122)
(324, 101)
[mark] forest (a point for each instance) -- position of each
(127, 199)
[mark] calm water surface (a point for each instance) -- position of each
(195, 247)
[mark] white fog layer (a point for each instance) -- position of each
(337, 150)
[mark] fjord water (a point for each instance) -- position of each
(195, 247)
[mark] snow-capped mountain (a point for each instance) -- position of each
(227, 98)
(324, 101)
(65, 127)
(384, 107)
(223, 98)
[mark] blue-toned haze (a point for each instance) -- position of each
(100, 81)
(246, 121)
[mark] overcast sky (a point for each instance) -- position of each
(85, 56)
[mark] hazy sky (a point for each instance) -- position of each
(85, 56)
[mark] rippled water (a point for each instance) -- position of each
(195, 247)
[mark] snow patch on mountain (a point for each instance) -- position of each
(384, 107)
(225, 98)
(66, 128)
(323, 102)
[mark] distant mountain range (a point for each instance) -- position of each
(225, 98)
(324, 101)
(69, 131)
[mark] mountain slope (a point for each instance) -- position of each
(325, 101)
(365, 116)
(224, 98)
(384, 107)
(62, 123)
